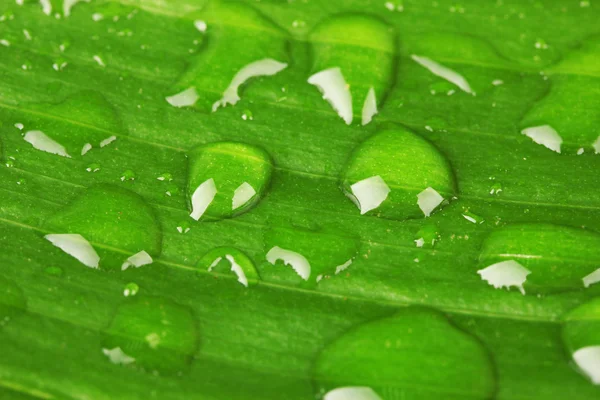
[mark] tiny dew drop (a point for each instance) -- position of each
(107, 227)
(127, 175)
(496, 188)
(414, 354)
(183, 227)
(166, 177)
(12, 301)
(353, 62)
(472, 217)
(151, 333)
(54, 271)
(131, 289)
(581, 336)
(540, 258)
(427, 236)
(397, 174)
(235, 260)
(94, 167)
(226, 179)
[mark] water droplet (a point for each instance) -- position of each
(54, 271)
(227, 178)
(152, 333)
(137, 260)
(99, 61)
(86, 147)
(306, 254)
(167, 177)
(558, 118)
(353, 61)
(105, 226)
(415, 354)
(427, 236)
(581, 335)
(131, 289)
(238, 263)
(93, 167)
(183, 227)
(41, 141)
(128, 175)
(352, 393)
(540, 258)
(216, 74)
(397, 174)
(472, 217)
(496, 188)
(108, 141)
(444, 72)
(12, 301)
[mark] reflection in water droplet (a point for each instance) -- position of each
(108, 141)
(415, 354)
(544, 135)
(137, 260)
(398, 173)
(353, 61)
(352, 393)
(186, 98)
(592, 278)
(86, 147)
(505, 274)
(239, 264)
(76, 246)
(226, 179)
(444, 72)
(153, 333)
(115, 220)
(581, 335)
(540, 258)
(297, 261)
(41, 141)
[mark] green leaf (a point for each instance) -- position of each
(382, 173)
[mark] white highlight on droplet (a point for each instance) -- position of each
(186, 98)
(352, 393)
(419, 242)
(200, 25)
(264, 67)
(46, 6)
(588, 360)
(428, 200)
(99, 61)
(596, 145)
(86, 147)
(76, 246)
(137, 260)
(108, 141)
(235, 268)
(242, 195)
(335, 90)
(202, 197)
(41, 141)
(5, 42)
(505, 274)
(295, 260)
(369, 193)
(343, 266)
(444, 72)
(27, 34)
(19, 126)
(68, 4)
(369, 107)
(97, 17)
(544, 135)
(592, 278)
(117, 356)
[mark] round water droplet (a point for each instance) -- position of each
(540, 258)
(94, 167)
(397, 174)
(415, 354)
(12, 300)
(107, 227)
(131, 289)
(222, 259)
(226, 179)
(581, 335)
(152, 333)
(353, 62)
(304, 257)
(54, 271)
(128, 175)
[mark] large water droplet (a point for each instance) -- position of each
(540, 258)
(107, 226)
(153, 333)
(581, 334)
(12, 300)
(564, 120)
(353, 62)
(226, 179)
(308, 256)
(216, 74)
(415, 354)
(237, 262)
(397, 174)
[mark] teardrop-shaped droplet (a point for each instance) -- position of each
(236, 261)
(581, 335)
(152, 333)
(107, 227)
(226, 179)
(540, 258)
(353, 63)
(397, 174)
(415, 354)
(214, 79)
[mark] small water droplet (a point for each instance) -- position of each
(54, 271)
(131, 289)
(236, 261)
(472, 217)
(127, 175)
(167, 177)
(183, 227)
(444, 72)
(94, 167)
(581, 336)
(496, 188)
